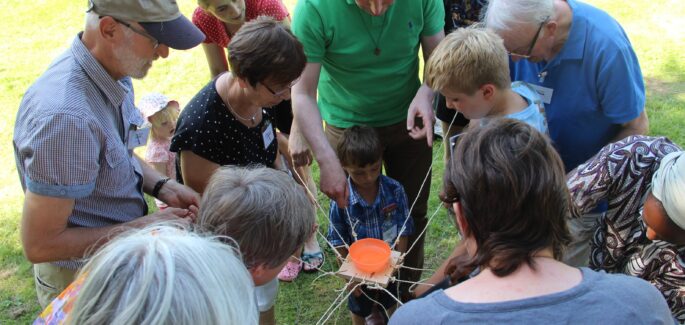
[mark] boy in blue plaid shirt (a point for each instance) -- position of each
(377, 208)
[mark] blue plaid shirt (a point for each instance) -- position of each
(390, 205)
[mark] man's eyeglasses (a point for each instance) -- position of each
(282, 91)
(532, 44)
(155, 42)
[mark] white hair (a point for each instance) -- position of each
(166, 275)
(93, 21)
(507, 15)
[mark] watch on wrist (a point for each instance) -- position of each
(158, 186)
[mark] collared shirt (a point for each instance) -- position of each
(369, 220)
(71, 141)
(357, 87)
(595, 84)
(621, 173)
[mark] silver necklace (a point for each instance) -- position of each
(252, 119)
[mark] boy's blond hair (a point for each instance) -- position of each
(264, 210)
(467, 59)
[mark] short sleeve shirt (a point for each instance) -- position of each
(595, 84)
(214, 29)
(71, 141)
(357, 87)
(208, 129)
(388, 214)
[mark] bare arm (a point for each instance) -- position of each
(160, 168)
(421, 105)
(640, 125)
(441, 272)
(172, 193)
(216, 58)
(45, 236)
(308, 123)
(196, 170)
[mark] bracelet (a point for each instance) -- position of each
(158, 186)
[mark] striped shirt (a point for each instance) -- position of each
(70, 141)
(371, 220)
(621, 173)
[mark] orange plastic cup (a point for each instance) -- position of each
(370, 255)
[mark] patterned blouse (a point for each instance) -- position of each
(621, 173)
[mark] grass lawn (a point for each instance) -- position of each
(35, 33)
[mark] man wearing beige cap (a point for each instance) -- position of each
(75, 133)
(643, 232)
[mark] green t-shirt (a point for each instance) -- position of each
(357, 87)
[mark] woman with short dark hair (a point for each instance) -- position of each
(507, 187)
(225, 123)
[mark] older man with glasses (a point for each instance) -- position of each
(582, 64)
(74, 138)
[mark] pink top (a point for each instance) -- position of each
(158, 152)
(214, 29)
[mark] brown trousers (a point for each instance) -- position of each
(407, 161)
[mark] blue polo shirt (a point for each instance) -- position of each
(595, 81)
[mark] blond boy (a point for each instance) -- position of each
(470, 67)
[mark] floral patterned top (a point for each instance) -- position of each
(621, 173)
(58, 310)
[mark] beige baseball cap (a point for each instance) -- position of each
(160, 18)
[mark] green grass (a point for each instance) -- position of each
(34, 33)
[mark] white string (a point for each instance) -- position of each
(323, 319)
(424, 230)
(320, 208)
(377, 303)
(326, 317)
(375, 286)
(335, 301)
(428, 172)
(414, 268)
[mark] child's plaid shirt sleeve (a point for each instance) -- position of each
(338, 229)
(403, 212)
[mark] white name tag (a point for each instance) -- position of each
(137, 138)
(544, 92)
(268, 135)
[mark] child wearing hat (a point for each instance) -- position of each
(162, 114)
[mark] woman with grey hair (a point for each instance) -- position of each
(159, 275)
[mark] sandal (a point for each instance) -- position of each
(290, 271)
(312, 261)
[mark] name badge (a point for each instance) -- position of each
(137, 137)
(544, 92)
(268, 135)
(389, 231)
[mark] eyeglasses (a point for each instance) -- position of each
(155, 42)
(532, 44)
(282, 91)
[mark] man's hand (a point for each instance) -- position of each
(178, 196)
(421, 107)
(333, 181)
(182, 217)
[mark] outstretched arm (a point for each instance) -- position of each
(308, 126)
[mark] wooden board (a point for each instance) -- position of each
(349, 272)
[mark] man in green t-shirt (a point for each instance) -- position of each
(362, 62)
